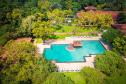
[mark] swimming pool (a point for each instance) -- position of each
(60, 53)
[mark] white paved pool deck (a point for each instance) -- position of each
(72, 66)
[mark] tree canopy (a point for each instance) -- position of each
(94, 19)
(119, 45)
(110, 34)
(42, 30)
(110, 63)
(22, 66)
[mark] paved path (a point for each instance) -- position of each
(41, 47)
(75, 67)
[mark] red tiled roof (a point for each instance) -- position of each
(121, 27)
(113, 13)
(24, 39)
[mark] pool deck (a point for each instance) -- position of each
(72, 66)
(76, 66)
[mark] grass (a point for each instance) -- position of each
(76, 77)
(38, 40)
(79, 31)
(63, 36)
(65, 29)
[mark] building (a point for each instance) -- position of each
(90, 8)
(121, 27)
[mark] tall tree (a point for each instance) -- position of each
(68, 4)
(91, 19)
(26, 25)
(42, 30)
(44, 5)
(58, 16)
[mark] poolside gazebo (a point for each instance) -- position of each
(77, 44)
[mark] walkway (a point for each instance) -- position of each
(41, 47)
(75, 67)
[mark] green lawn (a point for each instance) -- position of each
(76, 77)
(79, 31)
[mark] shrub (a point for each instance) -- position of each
(58, 27)
(53, 37)
(38, 40)
(58, 78)
(110, 35)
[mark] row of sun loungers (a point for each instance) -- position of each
(81, 36)
(70, 70)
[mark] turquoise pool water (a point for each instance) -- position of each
(60, 53)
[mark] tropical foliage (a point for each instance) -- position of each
(58, 16)
(110, 63)
(119, 45)
(110, 34)
(42, 30)
(22, 65)
(94, 19)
